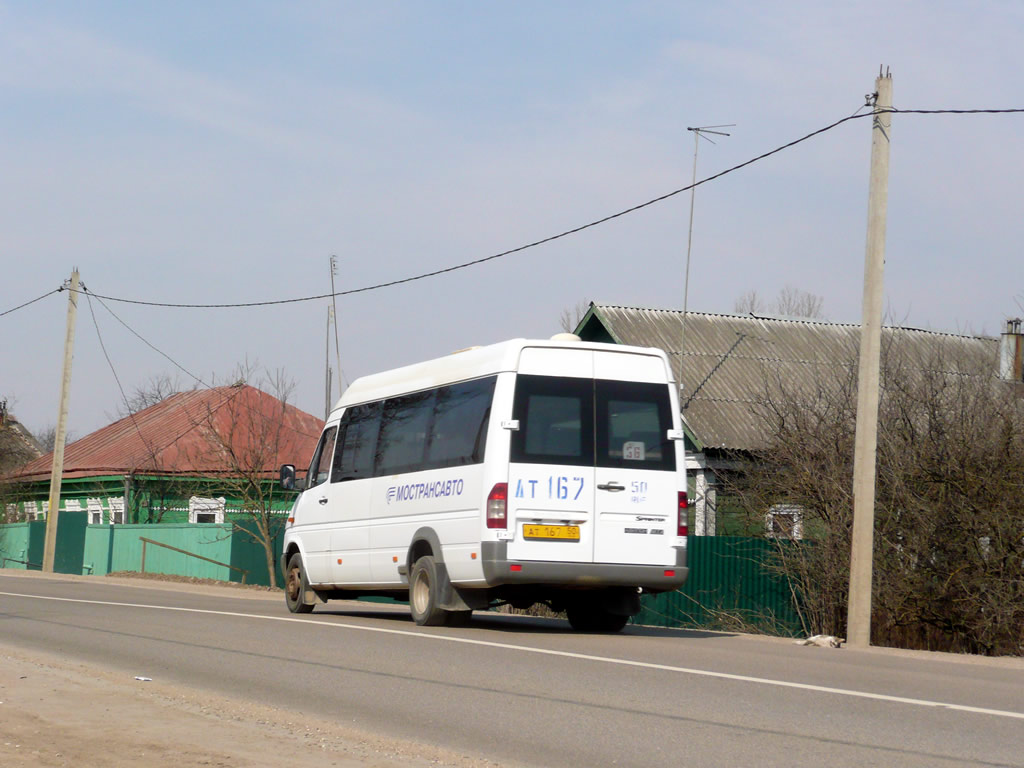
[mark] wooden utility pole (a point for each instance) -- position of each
(57, 470)
(858, 627)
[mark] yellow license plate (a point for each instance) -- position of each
(568, 532)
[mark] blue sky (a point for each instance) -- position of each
(221, 152)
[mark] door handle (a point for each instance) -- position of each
(323, 499)
(610, 487)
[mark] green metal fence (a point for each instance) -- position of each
(21, 545)
(730, 587)
(110, 548)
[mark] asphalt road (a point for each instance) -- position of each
(530, 691)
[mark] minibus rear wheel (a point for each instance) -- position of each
(296, 585)
(424, 594)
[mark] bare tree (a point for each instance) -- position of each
(750, 303)
(246, 435)
(157, 389)
(47, 437)
(949, 537)
(791, 302)
(571, 317)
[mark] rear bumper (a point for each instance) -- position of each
(498, 571)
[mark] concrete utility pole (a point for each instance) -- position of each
(858, 627)
(57, 471)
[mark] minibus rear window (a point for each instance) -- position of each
(556, 421)
(586, 422)
(633, 420)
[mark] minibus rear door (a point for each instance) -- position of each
(551, 472)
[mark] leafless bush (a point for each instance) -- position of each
(949, 511)
(791, 302)
(570, 317)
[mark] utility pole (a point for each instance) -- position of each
(57, 471)
(858, 627)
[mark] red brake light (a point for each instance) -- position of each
(682, 528)
(497, 516)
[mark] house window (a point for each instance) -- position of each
(784, 521)
(31, 511)
(116, 505)
(95, 509)
(72, 505)
(206, 510)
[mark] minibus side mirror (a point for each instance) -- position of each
(288, 480)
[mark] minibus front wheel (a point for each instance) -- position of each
(296, 586)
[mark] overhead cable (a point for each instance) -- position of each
(492, 257)
(180, 367)
(110, 363)
(22, 306)
(567, 232)
(542, 241)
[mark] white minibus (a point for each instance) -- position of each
(522, 472)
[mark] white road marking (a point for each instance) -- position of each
(567, 654)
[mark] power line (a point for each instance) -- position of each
(117, 378)
(180, 367)
(492, 257)
(144, 341)
(567, 232)
(22, 306)
(545, 240)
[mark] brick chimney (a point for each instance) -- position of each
(1011, 351)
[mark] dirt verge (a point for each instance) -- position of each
(56, 713)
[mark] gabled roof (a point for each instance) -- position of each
(192, 433)
(726, 358)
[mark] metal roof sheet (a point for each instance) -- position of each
(727, 359)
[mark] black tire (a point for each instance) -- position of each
(588, 617)
(296, 585)
(424, 594)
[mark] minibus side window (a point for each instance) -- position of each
(354, 458)
(633, 419)
(404, 426)
(459, 430)
(556, 420)
(320, 466)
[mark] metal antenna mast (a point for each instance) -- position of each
(698, 134)
(334, 301)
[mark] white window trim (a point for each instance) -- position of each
(94, 506)
(198, 505)
(116, 505)
(792, 511)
